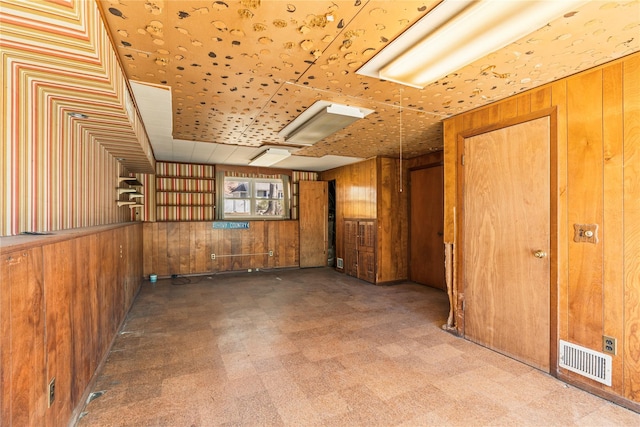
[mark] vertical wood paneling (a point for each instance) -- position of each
(524, 104)
(356, 195)
(161, 265)
(95, 252)
(450, 159)
(584, 114)
(198, 240)
(632, 228)
(201, 257)
(59, 273)
(81, 330)
(61, 304)
(392, 236)
(184, 229)
(598, 164)
(559, 100)
(612, 236)
(540, 99)
(22, 327)
(508, 109)
(371, 190)
(148, 247)
(173, 248)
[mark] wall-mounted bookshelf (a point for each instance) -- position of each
(185, 192)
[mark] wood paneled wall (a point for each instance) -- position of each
(393, 224)
(186, 247)
(598, 181)
(356, 195)
(372, 189)
(62, 300)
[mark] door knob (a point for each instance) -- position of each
(540, 254)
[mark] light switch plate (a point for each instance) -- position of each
(585, 233)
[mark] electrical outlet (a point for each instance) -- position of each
(270, 253)
(52, 391)
(213, 256)
(609, 345)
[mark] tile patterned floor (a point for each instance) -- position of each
(317, 348)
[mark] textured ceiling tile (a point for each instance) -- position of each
(240, 71)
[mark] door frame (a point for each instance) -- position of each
(459, 272)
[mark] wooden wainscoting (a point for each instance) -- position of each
(185, 247)
(76, 286)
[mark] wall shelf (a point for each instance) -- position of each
(132, 190)
(133, 182)
(185, 192)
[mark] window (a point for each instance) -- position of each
(254, 197)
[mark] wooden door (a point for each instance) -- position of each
(313, 218)
(427, 222)
(507, 239)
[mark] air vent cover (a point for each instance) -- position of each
(586, 362)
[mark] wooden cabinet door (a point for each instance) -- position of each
(506, 241)
(360, 249)
(367, 251)
(351, 248)
(313, 218)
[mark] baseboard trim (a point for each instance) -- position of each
(618, 400)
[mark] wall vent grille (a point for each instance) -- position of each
(339, 263)
(586, 362)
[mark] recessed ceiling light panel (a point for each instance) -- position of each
(456, 33)
(320, 120)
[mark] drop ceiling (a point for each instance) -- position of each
(215, 81)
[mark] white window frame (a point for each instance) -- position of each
(253, 199)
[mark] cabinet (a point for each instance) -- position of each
(360, 248)
(185, 192)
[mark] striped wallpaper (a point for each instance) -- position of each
(185, 192)
(60, 172)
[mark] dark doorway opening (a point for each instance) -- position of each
(331, 232)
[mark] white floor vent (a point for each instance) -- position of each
(340, 263)
(584, 361)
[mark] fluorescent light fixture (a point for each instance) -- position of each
(456, 33)
(320, 120)
(270, 157)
